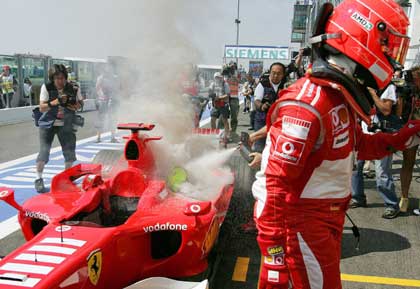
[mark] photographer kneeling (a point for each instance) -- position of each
(59, 100)
(385, 120)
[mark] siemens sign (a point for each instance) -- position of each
(257, 52)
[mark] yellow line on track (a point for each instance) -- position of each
(259, 272)
(241, 269)
(380, 280)
(242, 264)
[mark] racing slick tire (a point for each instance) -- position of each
(244, 175)
(108, 159)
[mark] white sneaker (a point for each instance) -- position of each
(416, 212)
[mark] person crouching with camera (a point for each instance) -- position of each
(384, 119)
(59, 101)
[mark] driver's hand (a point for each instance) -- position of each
(256, 162)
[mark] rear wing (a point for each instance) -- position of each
(135, 127)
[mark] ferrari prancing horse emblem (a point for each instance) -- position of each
(94, 261)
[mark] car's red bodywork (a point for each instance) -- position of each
(111, 230)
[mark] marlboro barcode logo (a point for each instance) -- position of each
(295, 127)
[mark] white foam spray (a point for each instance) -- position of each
(151, 93)
(207, 175)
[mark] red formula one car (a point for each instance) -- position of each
(111, 224)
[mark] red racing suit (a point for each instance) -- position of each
(303, 188)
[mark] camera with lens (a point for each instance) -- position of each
(229, 69)
(306, 51)
(66, 100)
(388, 124)
(405, 86)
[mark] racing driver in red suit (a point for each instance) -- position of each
(303, 188)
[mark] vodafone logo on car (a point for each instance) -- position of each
(37, 215)
(165, 227)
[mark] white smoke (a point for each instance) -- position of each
(155, 96)
(206, 175)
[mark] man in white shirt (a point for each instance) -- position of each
(59, 100)
(383, 168)
(266, 93)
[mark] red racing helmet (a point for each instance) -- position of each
(373, 33)
(6, 67)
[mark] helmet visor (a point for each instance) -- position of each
(396, 46)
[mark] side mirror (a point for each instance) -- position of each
(8, 195)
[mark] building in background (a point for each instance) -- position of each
(412, 7)
(300, 27)
(306, 11)
(35, 69)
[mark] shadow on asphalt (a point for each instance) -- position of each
(371, 241)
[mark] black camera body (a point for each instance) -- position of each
(229, 69)
(307, 51)
(388, 124)
(405, 86)
(78, 120)
(68, 100)
(383, 126)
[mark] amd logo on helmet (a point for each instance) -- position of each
(359, 18)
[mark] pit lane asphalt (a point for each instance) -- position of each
(389, 248)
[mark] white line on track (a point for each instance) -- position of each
(9, 226)
(34, 175)
(104, 147)
(17, 179)
(53, 150)
(78, 157)
(86, 151)
(50, 171)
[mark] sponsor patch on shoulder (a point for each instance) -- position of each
(288, 150)
(295, 127)
(341, 140)
(340, 118)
